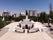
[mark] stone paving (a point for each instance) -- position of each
(12, 35)
(26, 36)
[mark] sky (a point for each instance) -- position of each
(16, 6)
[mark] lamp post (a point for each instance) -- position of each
(49, 20)
(37, 17)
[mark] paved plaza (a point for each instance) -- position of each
(12, 35)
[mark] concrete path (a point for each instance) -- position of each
(12, 35)
(9, 27)
(26, 36)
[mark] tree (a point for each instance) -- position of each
(51, 14)
(2, 24)
(43, 17)
(51, 11)
(34, 18)
(19, 18)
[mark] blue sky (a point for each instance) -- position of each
(21, 5)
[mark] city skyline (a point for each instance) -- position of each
(16, 6)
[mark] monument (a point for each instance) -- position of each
(31, 26)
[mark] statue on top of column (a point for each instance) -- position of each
(26, 12)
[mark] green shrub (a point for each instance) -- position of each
(2, 24)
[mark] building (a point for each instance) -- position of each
(0, 14)
(6, 14)
(22, 13)
(31, 12)
(15, 15)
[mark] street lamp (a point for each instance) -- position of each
(49, 20)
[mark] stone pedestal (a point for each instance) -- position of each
(25, 30)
